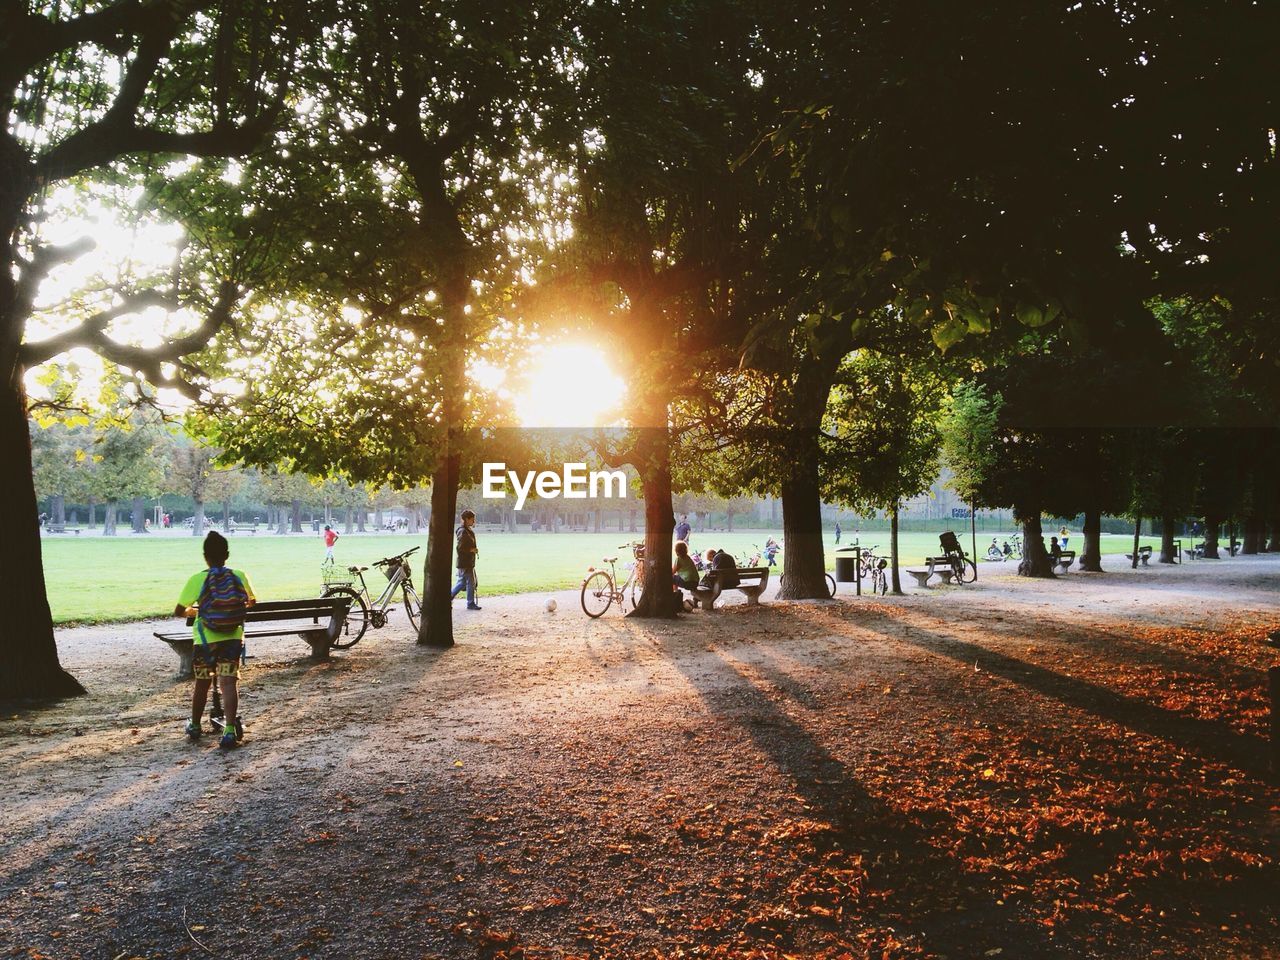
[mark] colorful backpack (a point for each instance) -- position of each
(223, 601)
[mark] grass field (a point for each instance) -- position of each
(132, 577)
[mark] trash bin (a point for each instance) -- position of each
(846, 566)
(315, 525)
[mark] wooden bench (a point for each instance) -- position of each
(751, 581)
(1144, 555)
(1065, 559)
(61, 528)
(316, 620)
(244, 528)
(937, 565)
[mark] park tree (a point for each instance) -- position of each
(882, 434)
(97, 92)
(431, 152)
(666, 110)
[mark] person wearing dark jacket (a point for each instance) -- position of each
(724, 571)
(467, 551)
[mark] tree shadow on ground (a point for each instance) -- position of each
(911, 886)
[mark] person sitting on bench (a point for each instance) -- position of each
(217, 599)
(1055, 551)
(725, 570)
(684, 572)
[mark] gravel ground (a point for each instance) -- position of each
(1013, 768)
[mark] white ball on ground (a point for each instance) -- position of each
(551, 604)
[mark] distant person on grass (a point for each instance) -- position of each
(217, 599)
(837, 531)
(683, 529)
(1063, 536)
(330, 538)
(467, 551)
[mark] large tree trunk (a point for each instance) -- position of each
(806, 576)
(27, 648)
(1137, 539)
(226, 515)
(1167, 552)
(58, 509)
(282, 520)
(1035, 558)
(1273, 542)
(653, 462)
(730, 522)
(896, 582)
(438, 567)
(1212, 531)
(1252, 536)
(413, 520)
(349, 521)
(93, 513)
(109, 519)
(297, 516)
(138, 515)
(378, 519)
(1091, 556)
(197, 528)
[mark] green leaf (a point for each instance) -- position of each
(949, 332)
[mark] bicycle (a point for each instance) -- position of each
(963, 570)
(831, 584)
(600, 588)
(365, 612)
(874, 567)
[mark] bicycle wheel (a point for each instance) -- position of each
(412, 605)
(968, 571)
(879, 583)
(597, 594)
(831, 585)
(357, 621)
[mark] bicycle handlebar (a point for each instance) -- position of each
(396, 559)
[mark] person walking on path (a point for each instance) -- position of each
(330, 538)
(216, 598)
(467, 551)
(837, 531)
(683, 529)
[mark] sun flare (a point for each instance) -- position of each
(568, 385)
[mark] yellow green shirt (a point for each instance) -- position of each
(191, 594)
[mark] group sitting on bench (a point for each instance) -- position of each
(722, 573)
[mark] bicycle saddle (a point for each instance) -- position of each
(357, 569)
(610, 560)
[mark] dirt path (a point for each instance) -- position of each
(1016, 768)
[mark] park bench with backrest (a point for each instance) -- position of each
(1064, 560)
(61, 528)
(1144, 555)
(751, 582)
(243, 528)
(942, 566)
(318, 621)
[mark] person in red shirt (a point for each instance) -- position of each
(330, 538)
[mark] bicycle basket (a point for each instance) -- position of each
(336, 577)
(391, 571)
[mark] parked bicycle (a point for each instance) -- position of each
(365, 612)
(963, 569)
(874, 566)
(601, 589)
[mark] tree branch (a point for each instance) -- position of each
(146, 360)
